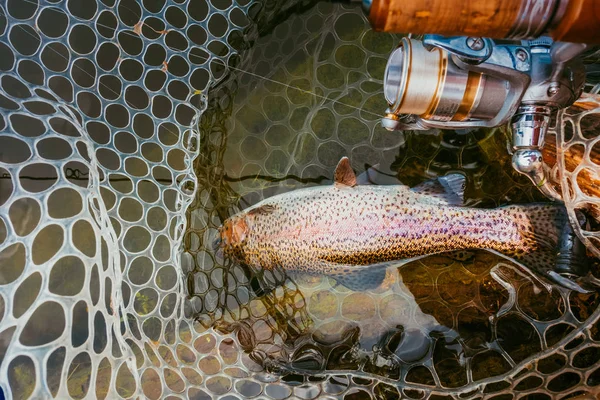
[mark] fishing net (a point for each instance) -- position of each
(577, 136)
(129, 130)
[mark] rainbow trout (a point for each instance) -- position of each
(353, 232)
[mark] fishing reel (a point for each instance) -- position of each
(470, 82)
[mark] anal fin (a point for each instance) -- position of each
(362, 278)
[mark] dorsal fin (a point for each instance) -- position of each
(360, 278)
(344, 175)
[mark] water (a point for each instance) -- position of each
(446, 324)
(110, 204)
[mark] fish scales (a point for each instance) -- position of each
(345, 227)
(369, 225)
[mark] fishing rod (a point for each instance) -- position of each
(574, 21)
(485, 63)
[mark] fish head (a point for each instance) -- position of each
(233, 232)
(238, 235)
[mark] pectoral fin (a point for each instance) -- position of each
(362, 277)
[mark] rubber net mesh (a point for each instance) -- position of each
(129, 130)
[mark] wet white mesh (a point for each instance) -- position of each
(577, 135)
(99, 110)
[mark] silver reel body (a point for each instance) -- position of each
(463, 82)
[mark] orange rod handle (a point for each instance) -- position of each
(578, 20)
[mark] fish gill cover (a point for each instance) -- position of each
(124, 144)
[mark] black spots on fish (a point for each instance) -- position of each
(548, 213)
(519, 252)
(488, 224)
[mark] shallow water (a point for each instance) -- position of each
(110, 199)
(444, 324)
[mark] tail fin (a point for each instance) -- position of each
(547, 223)
(557, 252)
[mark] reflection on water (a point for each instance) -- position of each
(451, 321)
(436, 322)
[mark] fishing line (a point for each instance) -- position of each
(77, 66)
(268, 178)
(203, 58)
